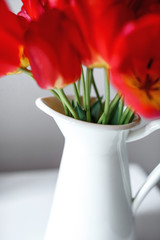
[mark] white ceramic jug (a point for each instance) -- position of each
(93, 198)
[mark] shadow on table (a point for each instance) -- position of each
(148, 226)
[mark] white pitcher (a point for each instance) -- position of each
(93, 198)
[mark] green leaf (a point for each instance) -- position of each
(112, 107)
(129, 117)
(95, 111)
(121, 107)
(114, 115)
(73, 104)
(117, 112)
(81, 112)
(132, 118)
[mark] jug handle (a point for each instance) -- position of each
(151, 181)
(143, 131)
(154, 176)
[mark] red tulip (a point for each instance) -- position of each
(11, 44)
(32, 9)
(142, 7)
(100, 22)
(136, 65)
(106, 26)
(55, 48)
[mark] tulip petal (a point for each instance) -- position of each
(53, 51)
(136, 65)
(32, 9)
(10, 40)
(100, 22)
(142, 7)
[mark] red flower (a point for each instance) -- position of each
(136, 65)
(100, 22)
(11, 35)
(142, 7)
(106, 26)
(55, 49)
(32, 9)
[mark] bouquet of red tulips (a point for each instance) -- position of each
(52, 39)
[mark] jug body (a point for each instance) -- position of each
(93, 197)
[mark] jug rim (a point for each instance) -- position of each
(55, 108)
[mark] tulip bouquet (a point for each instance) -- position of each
(52, 39)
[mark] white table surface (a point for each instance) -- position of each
(26, 197)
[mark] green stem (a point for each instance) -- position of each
(114, 102)
(129, 116)
(26, 71)
(120, 112)
(79, 86)
(124, 115)
(107, 96)
(67, 103)
(57, 96)
(96, 90)
(83, 89)
(55, 93)
(65, 109)
(88, 87)
(101, 118)
(76, 93)
(112, 106)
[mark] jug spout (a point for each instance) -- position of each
(150, 182)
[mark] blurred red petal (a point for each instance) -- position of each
(100, 22)
(54, 52)
(136, 65)
(32, 9)
(10, 40)
(9, 54)
(23, 13)
(135, 97)
(142, 7)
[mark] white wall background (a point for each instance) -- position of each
(29, 139)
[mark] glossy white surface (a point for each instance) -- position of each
(152, 180)
(26, 199)
(144, 131)
(93, 196)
